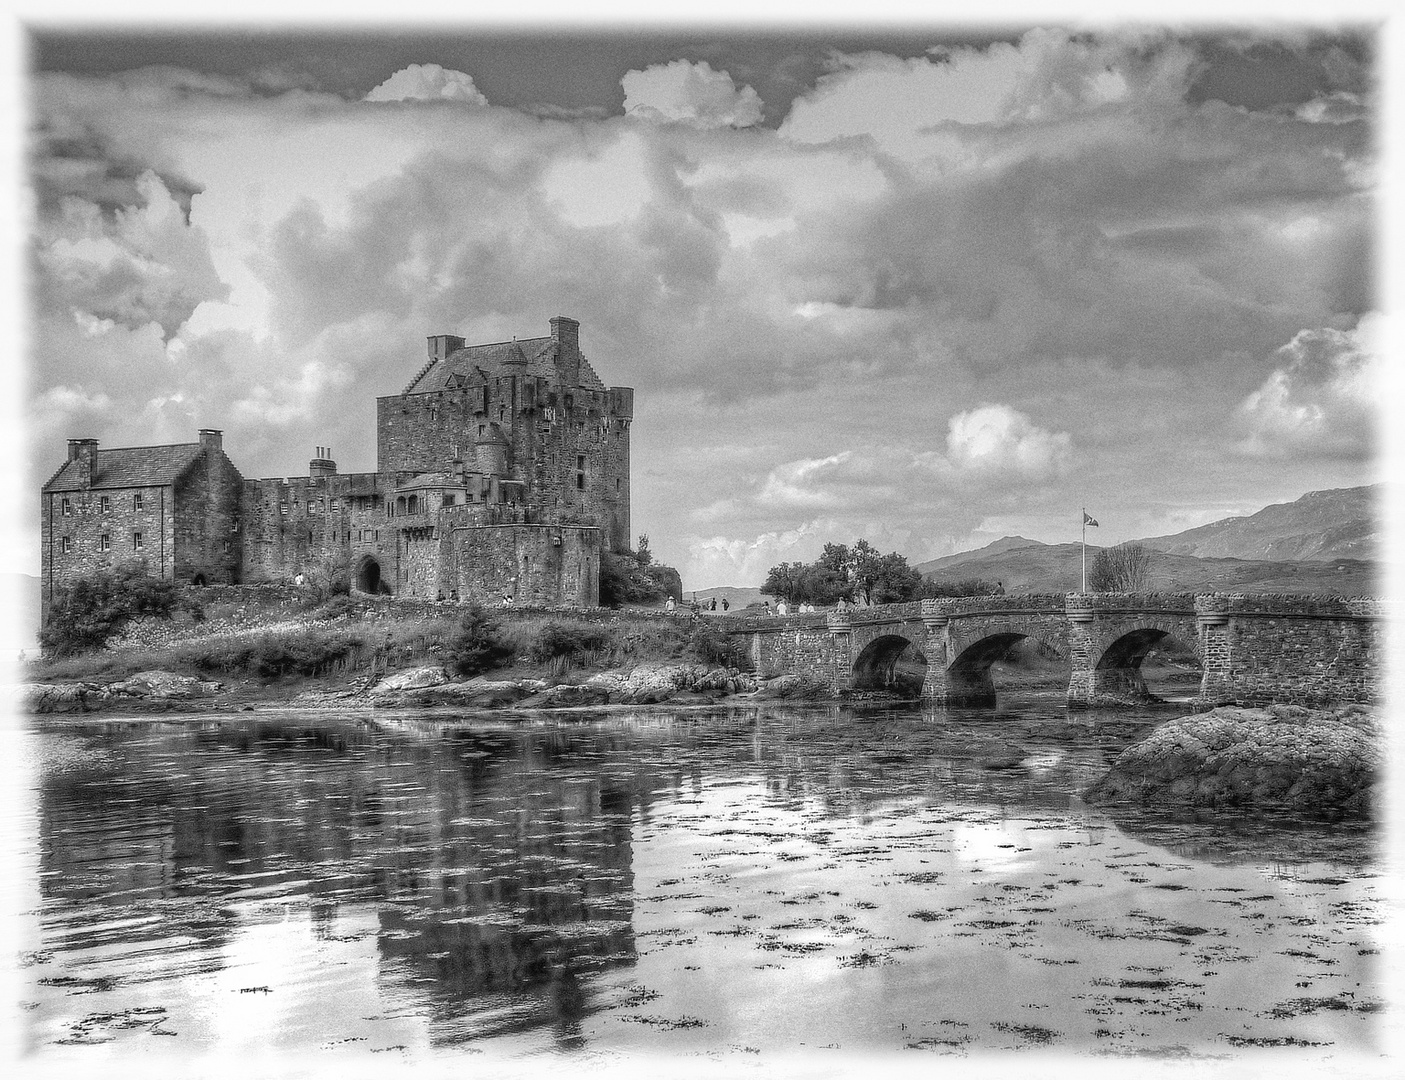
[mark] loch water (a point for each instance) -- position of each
(719, 881)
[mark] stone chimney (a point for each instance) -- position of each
(212, 439)
(322, 464)
(567, 333)
(85, 453)
(441, 345)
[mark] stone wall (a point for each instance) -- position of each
(532, 564)
(208, 545)
(1305, 650)
(568, 446)
(87, 523)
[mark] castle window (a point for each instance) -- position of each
(617, 483)
(65, 508)
(136, 501)
(580, 481)
(480, 431)
(311, 507)
(104, 542)
(449, 499)
(434, 414)
(65, 544)
(136, 541)
(580, 461)
(333, 506)
(104, 504)
(282, 508)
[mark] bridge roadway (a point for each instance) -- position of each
(1253, 649)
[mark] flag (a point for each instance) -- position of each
(1087, 520)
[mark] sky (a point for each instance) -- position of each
(925, 285)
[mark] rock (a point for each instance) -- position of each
(162, 685)
(58, 697)
(413, 679)
(795, 687)
(564, 696)
(1283, 755)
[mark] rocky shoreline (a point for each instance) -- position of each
(648, 683)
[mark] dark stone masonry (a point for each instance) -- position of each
(502, 470)
(1254, 649)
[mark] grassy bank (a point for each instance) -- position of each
(272, 639)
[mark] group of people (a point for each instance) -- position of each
(710, 604)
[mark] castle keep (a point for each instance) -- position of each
(501, 470)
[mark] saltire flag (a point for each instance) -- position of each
(1087, 520)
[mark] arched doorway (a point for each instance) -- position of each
(198, 579)
(891, 663)
(368, 576)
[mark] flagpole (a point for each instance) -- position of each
(1085, 549)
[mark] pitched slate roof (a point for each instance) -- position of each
(530, 356)
(130, 466)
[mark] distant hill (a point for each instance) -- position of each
(1054, 568)
(737, 596)
(995, 547)
(1337, 524)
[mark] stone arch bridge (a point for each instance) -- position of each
(1253, 649)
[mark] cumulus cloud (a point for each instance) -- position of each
(997, 438)
(428, 82)
(690, 93)
(1320, 400)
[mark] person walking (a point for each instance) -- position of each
(725, 604)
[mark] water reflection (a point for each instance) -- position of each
(663, 881)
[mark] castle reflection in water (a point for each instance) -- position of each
(500, 871)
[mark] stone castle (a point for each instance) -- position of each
(502, 470)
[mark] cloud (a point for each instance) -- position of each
(690, 93)
(428, 82)
(145, 264)
(999, 439)
(1339, 107)
(1319, 401)
(882, 320)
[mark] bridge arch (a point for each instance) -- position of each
(968, 679)
(890, 662)
(1118, 670)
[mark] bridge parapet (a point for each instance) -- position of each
(1288, 604)
(1004, 604)
(1076, 603)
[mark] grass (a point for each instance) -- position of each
(346, 639)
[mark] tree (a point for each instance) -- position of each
(861, 572)
(331, 575)
(642, 554)
(1123, 568)
(88, 612)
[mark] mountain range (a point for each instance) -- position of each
(1324, 542)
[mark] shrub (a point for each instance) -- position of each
(340, 604)
(1123, 568)
(624, 579)
(87, 613)
(565, 644)
(930, 590)
(712, 646)
(477, 645)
